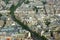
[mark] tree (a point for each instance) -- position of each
(6, 1)
(47, 22)
(44, 3)
(27, 2)
(0, 15)
(35, 9)
(12, 9)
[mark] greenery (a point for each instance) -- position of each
(27, 2)
(6, 1)
(51, 33)
(34, 34)
(0, 15)
(44, 2)
(47, 22)
(38, 36)
(35, 9)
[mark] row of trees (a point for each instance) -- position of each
(13, 8)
